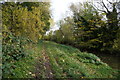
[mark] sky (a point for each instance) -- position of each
(60, 10)
(60, 7)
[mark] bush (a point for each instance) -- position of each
(12, 50)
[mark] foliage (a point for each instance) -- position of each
(64, 34)
(22, 67)
(111, 11)
(65, 62)
(26, 23)
(69, 62)
(12, 50)
(117, 41)
(88, 29)
(22, 22)
(23, 25)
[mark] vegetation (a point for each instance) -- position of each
(23, 25)
(89, 30)
(63, 61)
(27, 54)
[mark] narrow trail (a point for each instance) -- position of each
(43, 67)
(47, 66)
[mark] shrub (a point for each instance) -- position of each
(12, 50)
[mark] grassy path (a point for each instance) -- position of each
(43, 66)
(46, 63)
(52, 60)
(68, 62)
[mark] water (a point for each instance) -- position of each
(111, 59)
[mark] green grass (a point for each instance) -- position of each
(73, 63)
(65, 62)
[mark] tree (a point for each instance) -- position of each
(87, 24)
(65, 33)
(112, 26)
(66, 29)
(111, 15)
(22, 22)
(117, 41)
(22, 25)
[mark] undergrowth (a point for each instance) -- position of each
(65, 62)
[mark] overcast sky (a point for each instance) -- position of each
(60, 10)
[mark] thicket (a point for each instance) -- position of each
(23, 24)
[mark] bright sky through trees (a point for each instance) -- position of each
(60, 10)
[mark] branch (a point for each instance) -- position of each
(105, 6)
(100, 4)
(99, 9)
(110, 2)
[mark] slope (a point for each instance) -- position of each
(52, 60)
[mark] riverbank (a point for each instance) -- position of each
(110, 59)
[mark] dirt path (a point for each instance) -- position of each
(47, 66)
(43, 67)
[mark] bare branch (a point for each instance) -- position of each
(105, 6)
(100, 4)
(110, 2)
(99, 9)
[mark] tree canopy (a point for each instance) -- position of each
(89, 29)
